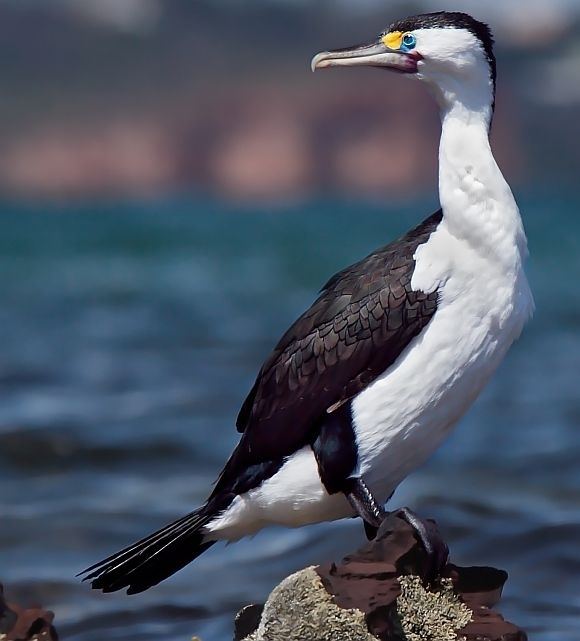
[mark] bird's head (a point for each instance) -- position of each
(451, 51)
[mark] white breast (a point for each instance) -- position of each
(405, 414)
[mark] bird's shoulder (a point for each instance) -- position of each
(363, 318)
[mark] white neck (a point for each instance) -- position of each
(478, 205)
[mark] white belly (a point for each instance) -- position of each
(293, 497)
(403, 416)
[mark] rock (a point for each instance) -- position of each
(378, 592)
(25, 624)
(300, 608)
(430, 614)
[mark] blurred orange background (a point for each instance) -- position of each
(140, 98)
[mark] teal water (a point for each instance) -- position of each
(129, 337)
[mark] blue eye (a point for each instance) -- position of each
(409, 42)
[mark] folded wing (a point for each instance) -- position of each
(363, 319)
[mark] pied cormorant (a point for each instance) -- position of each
(367, 383)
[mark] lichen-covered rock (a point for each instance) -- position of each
(300, 608)
(430, 615)
(379, 593)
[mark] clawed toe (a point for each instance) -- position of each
(431, 541)
(370, 531)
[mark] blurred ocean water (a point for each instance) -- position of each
(130, 335)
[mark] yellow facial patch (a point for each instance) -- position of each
(393, 40)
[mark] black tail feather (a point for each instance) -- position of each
(154, 558)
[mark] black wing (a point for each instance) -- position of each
(364, 318)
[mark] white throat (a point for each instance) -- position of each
(478, 204)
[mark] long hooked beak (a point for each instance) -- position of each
(376, 54)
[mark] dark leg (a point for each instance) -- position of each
(365, 505)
